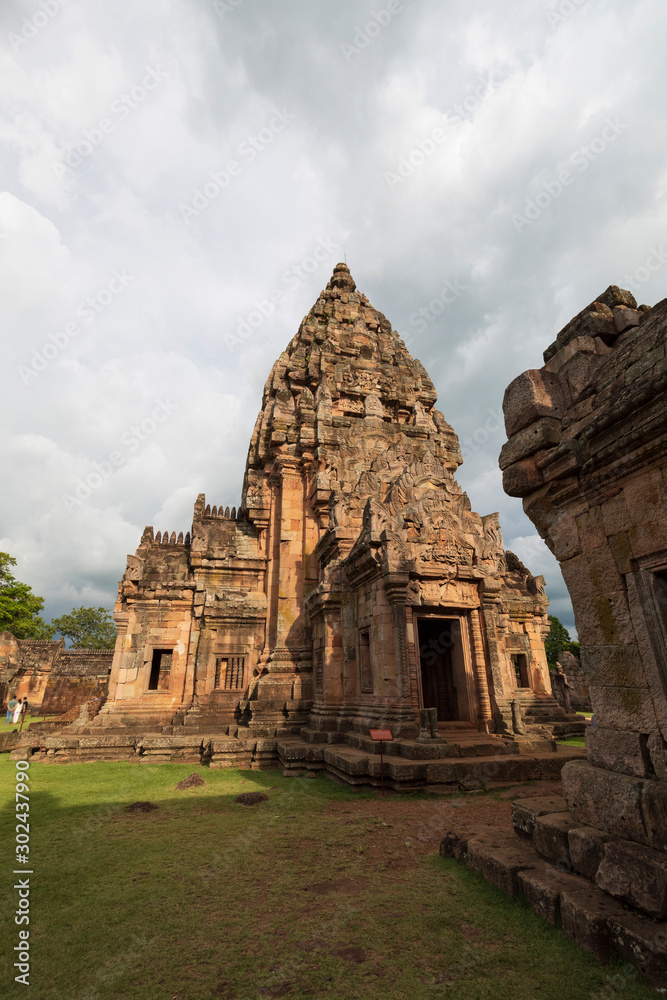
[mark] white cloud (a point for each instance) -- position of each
(543, 90)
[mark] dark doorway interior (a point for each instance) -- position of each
(436, 641)
(160, 670)
(521, 670)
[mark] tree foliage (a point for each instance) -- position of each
(558, 640)
(87, 628)
(19, 607)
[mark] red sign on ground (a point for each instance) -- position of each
(380, 734)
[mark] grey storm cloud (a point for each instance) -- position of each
(177, 190)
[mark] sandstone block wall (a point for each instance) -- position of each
(587, 452)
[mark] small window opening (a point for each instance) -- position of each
(160, 670)
(521, 670)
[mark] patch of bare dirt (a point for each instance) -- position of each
(355, 956)
(140, 807)
(251, 798)
(398, 830)
(192, 781)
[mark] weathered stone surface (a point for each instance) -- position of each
(55, 680)
(658, 751)
(532, 395)
(521, 478)
(601, 510)
(542, 885)
(618, 665)
(526, 811)
(550, 838)
(585, 916)
(618, 750)
(544, 433)
(502, 865)
(624, 708)
(454, 845)
(644, 944)
(635, 874)
(586, 849)
(654, 811)
(606, 800)
(624, 318)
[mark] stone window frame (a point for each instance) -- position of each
(234, 670)
(150, 663)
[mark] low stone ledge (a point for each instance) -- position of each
(542, 885)
(550, 838)
(586, 846)
(585, 915)
(454, 845)
(643, 944)
(502, 866)
(90, 742)
(526, 811)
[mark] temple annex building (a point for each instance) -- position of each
(353, 589)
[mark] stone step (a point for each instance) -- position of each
(478, 746)
(356, 766)
(589, 916)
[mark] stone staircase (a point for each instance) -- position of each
(460, 758)
(544, 716)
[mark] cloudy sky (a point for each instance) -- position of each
(179, 179)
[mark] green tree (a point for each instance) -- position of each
(19, 607)
(558, 640)
(88, 628)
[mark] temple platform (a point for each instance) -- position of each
(460, 758)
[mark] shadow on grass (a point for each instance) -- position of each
(205, 898)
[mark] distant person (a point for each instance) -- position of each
(18, 708)
(11, 705)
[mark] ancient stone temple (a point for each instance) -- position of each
(587, 451)
(353, 586)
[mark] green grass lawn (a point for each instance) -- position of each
(317, 892)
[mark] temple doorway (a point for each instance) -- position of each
(439, 654)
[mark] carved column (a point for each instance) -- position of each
(396, 589)
(479, 666)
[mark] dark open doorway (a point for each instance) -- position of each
(521, 670)
(437, 638)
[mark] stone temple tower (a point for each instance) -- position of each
(353, 587)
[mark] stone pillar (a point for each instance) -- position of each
(479, 666)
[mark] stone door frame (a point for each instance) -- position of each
(470, 701)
